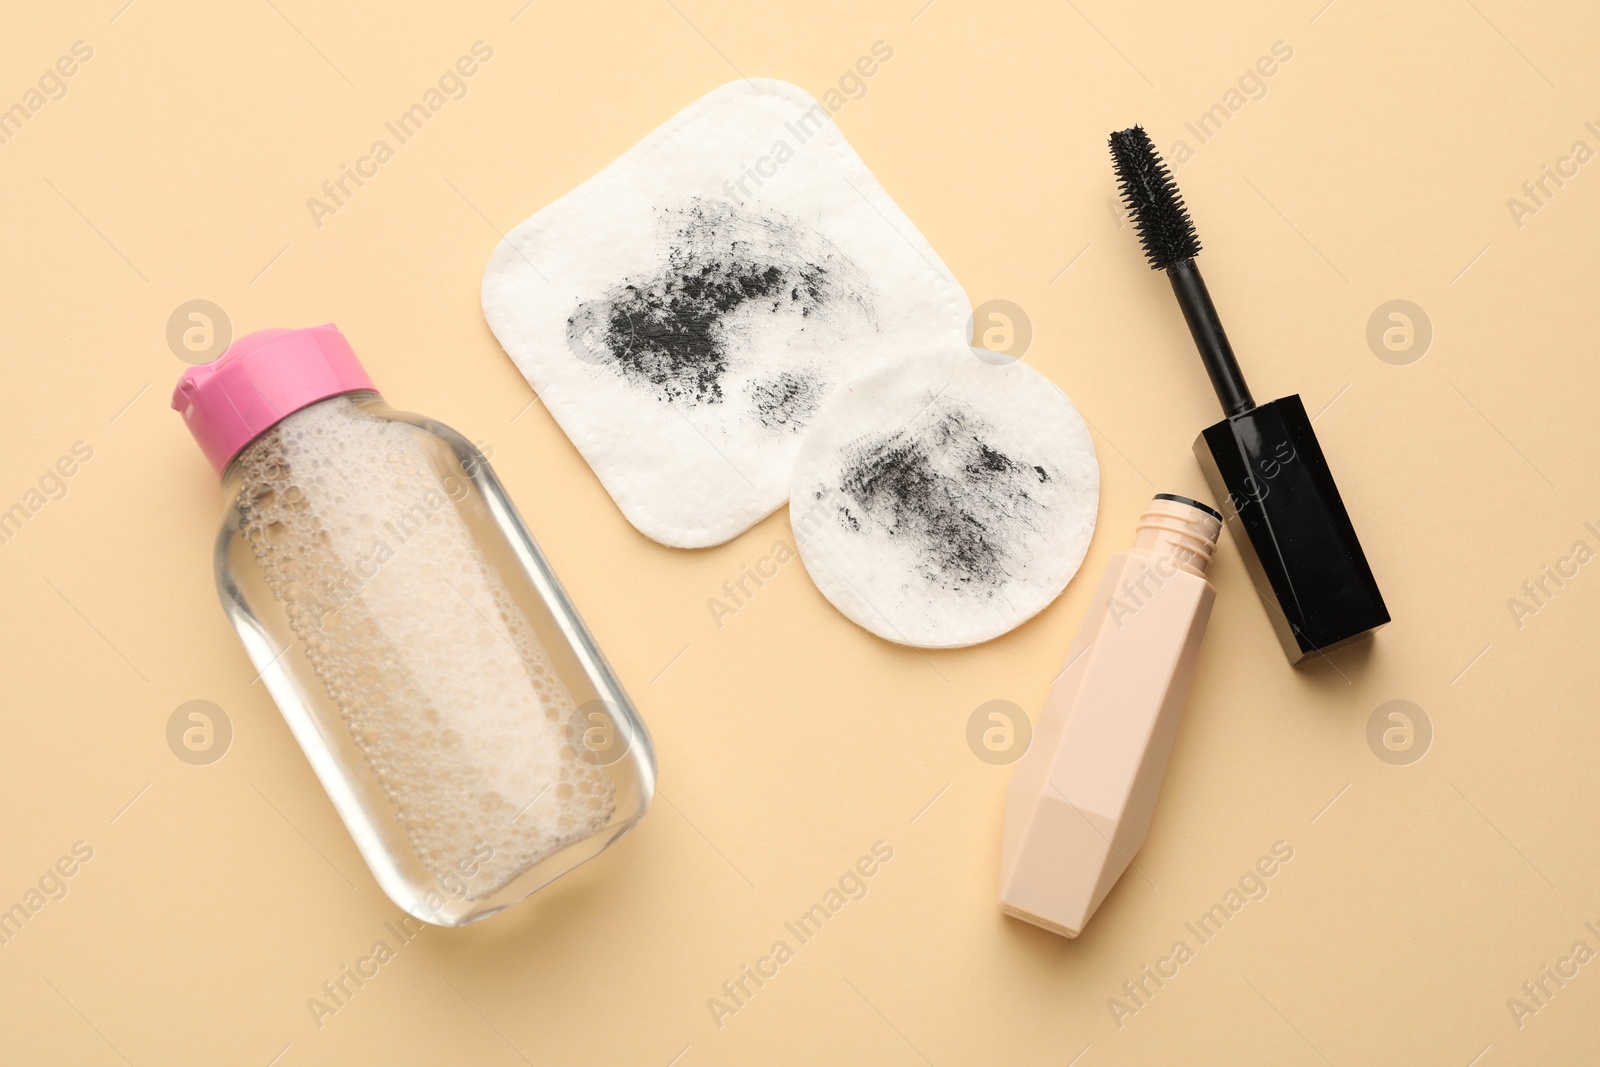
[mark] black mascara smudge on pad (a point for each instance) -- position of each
(959, 504)
(676, 334)
(787, 401)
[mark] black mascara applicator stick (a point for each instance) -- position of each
(1171, 245)
(1263, 461)
(1206, 329)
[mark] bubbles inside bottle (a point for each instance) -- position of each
(438, 675)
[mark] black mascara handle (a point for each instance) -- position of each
(1206, 329)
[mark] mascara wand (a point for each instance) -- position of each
(1263, 460)
(1170, 243)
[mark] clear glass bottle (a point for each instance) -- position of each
(450, 699)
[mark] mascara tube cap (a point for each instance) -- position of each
(1280, 501)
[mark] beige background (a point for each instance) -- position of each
(1377, 166)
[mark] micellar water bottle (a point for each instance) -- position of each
(442, 685)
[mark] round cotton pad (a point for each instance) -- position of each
(941, 500)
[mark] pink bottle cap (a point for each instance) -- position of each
(262, 378)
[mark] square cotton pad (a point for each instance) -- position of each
(943, 499)
(685, 313)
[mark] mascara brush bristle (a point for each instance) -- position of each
(1164, 226)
